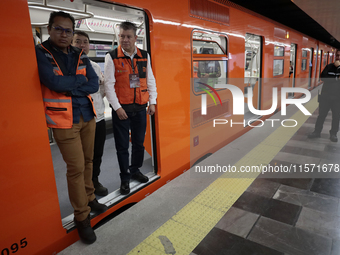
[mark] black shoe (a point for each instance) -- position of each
(314, 135)
(333, 138)
(97, 207)
(85, 230)
(100, 190)
(140, 177)
(125, 187)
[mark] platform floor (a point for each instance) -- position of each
(207, 214)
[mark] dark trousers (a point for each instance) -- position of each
(136, 122)
(99, 142)
(324, 106)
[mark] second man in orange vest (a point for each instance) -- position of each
(130, 86)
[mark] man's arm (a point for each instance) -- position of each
(91, 86)
(57, 83)
(152, 89)
(110, 81)
(324, 73)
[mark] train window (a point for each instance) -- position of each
(209, 43)
(209, 60)
(206, 47)
(325, 58)
(278, 67)
(279, 51)
(304, 60)
(304, 65)
(278, 63)
(252, 56)
(304, 53)
(209, 69)
(209, 72)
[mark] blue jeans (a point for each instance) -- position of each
(136, 122)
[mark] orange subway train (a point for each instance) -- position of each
(192, 50)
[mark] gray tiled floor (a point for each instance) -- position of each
(307, 199)
(291, 216)
(323, 223)
(284, 237)
(238, 222)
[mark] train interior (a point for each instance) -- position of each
(100, 21)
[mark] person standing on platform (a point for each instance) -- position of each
(329, 99)
(67, 80)
(129, 86)
(82, 40)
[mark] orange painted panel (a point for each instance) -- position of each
(30, 207)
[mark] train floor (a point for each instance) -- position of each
(296, 212)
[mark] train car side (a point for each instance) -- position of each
(30, 212)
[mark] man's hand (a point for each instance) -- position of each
(151, 109)
(121, 114)
(337, 63)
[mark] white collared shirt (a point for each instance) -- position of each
(110, 81)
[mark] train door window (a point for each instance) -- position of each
(102, 28)
(252, 72)
(292, 67)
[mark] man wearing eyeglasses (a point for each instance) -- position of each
(68, 79)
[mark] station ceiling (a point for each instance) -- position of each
(318, 19)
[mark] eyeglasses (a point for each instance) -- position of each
(60, 30)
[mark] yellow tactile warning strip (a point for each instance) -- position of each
(186, 229)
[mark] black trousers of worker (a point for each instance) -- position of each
(325, 105)
(99, 142)
(136, 122)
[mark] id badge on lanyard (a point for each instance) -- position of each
(134, 80)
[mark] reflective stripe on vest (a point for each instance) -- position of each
(123, 67)
(58, 107)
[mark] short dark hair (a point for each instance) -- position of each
(60, 14)
(78, 32)
(126, 25)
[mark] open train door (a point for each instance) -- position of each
(292, 66)
(252, 74)
(310, 67)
